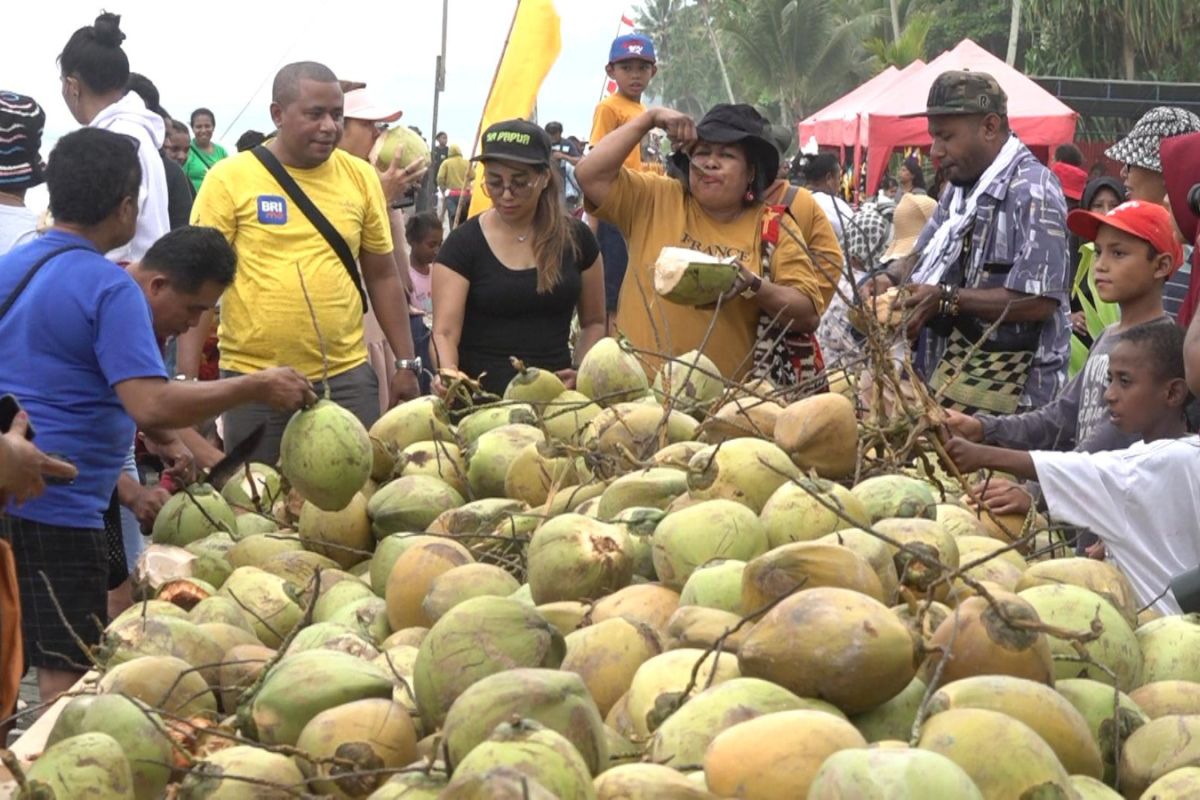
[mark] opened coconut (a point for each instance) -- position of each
(326, 455)
(691, 277)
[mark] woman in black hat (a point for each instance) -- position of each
(727, 162)
(506, 282)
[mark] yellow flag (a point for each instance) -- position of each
(533, 46)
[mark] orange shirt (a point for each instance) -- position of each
(613, 112)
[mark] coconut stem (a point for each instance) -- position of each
(91, 657)
(312, 312)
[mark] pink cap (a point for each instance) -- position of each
(359, 105)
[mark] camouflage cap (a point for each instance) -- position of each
(964, 92)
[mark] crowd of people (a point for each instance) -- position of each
(330, 277)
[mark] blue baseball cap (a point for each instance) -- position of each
(631, 46)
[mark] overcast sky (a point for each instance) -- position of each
(223, 53)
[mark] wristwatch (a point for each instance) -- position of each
(753, 289)
(412, 364)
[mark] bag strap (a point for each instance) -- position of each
(24, 282)
(314, 215)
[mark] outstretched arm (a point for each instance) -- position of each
(598, 170)
(969, 457)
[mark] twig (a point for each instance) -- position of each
(312, 312)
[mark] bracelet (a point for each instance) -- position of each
(948, 300)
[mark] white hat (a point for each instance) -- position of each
(359, 105)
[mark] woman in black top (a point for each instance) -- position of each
(507, 281)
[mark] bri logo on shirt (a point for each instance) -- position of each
(272, 209)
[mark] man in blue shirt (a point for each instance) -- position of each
(87, 369)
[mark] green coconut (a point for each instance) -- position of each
(242, 772)
(332, 636)
(89, 765)
(891, 774)
(565, 417)
(692, 381)
(661, 684)
(227, 636)
(387, 550)
(299, 568)
(326, 455)
(1171, 648)
(143, 742)
(238, 672)
(402, 145)
(639, 522)
(896, 496)
(151, 608)
(191, 515)
(746, 470)
(497, 783)
(680, 741)
(220, 609)
(249, 524)
(422, 419)
(1178, 784)
(477, 423)
(338, 595)
(367, 617)
(717, 584)
(479, 525)
(1100, 577)
(534, 751)
(534, 386)
(708, 530)
(257, 549)
(573, 557)
(490, 456)
(1088, 788)
(808, 509)
(165, 683)
(437, 459)
(1158, 748)
(343, 535)
(874, 551)
(303, 685)
(479, 637)
(239, 492)
(460, 584)
(1073, 608)
(651, 488)
(1110, 719)
(410, 504)
(558, 700)
(607, 654)
(893, 719)
(161, 636)
(265, 598)
(540, 468)
(610, 374)
(626, 434)
(365, 736)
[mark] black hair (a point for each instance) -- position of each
(554, 127)
(418, 226)
(89, 173)
(144, 88)
(678, 166)
(175, 126)
(250, 140)
(1162, 347)
(889, 182)
(191, 256)
(202, 112)
(94, 55)
(819, 167)
(918, 174)
(286, 87)
(441, 133)
(1069, 154)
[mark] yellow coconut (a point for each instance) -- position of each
(413, 575)
(646, 782)
(364, 736)
(1163, 698)
(648, 603)
(979, 640)
(437, 459)
(959, 521)
(697, 626)
(1100, 577)
(659, 684)
(875, 552)
(820, 433)
(343, 535)
(807, 565)
(745, 416)
(607, 655)
(808, 509)
(1158, 748)
(744, 470)
(539, 468)
(1179, 784)
(776, 755)
(1004, 757)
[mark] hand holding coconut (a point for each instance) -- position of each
(397, 178)
(283, 389)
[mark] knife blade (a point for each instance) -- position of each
(228, 466)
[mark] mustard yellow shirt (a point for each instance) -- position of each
(654, 212)
(265, 320)
(611, 113)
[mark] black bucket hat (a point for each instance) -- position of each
(515, 140)
(728, 123)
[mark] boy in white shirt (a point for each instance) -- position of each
(1143, 502)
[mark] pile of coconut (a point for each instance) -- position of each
(676, 588)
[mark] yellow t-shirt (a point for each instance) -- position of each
(265, 320)
(611, 113)
(654, 212)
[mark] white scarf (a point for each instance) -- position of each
(946, 245)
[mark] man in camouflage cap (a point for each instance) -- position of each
(995, 251)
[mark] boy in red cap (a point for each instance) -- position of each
(1136, 252)
(1140, 501)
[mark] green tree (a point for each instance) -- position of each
(687, 77)
(902, 51)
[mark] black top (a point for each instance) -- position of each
(505, 316)
(180, 194)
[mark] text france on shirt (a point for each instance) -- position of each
(715, 250)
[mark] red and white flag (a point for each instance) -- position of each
(626, 26)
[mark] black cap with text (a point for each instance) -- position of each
(515, 140)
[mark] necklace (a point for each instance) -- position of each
(521, 239)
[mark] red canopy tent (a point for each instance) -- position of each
(1035, 115)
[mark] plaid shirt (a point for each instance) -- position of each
(1018, 242)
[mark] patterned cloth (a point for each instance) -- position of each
(866, 236)
(1018, 242)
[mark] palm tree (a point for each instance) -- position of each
(908, 48)
(800, 52)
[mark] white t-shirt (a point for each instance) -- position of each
(1144, 503)
(18, 225)
(836, 209)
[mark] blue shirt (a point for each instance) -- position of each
(81, 326)
(1018, 242)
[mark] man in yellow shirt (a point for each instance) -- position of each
(631, 66)
(265, 316)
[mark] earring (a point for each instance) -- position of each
(749, 195)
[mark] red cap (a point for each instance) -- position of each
(1147, 221)
(1181, 169)
(1072, 178)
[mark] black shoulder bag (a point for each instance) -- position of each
(314, 215)
(24, 282)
